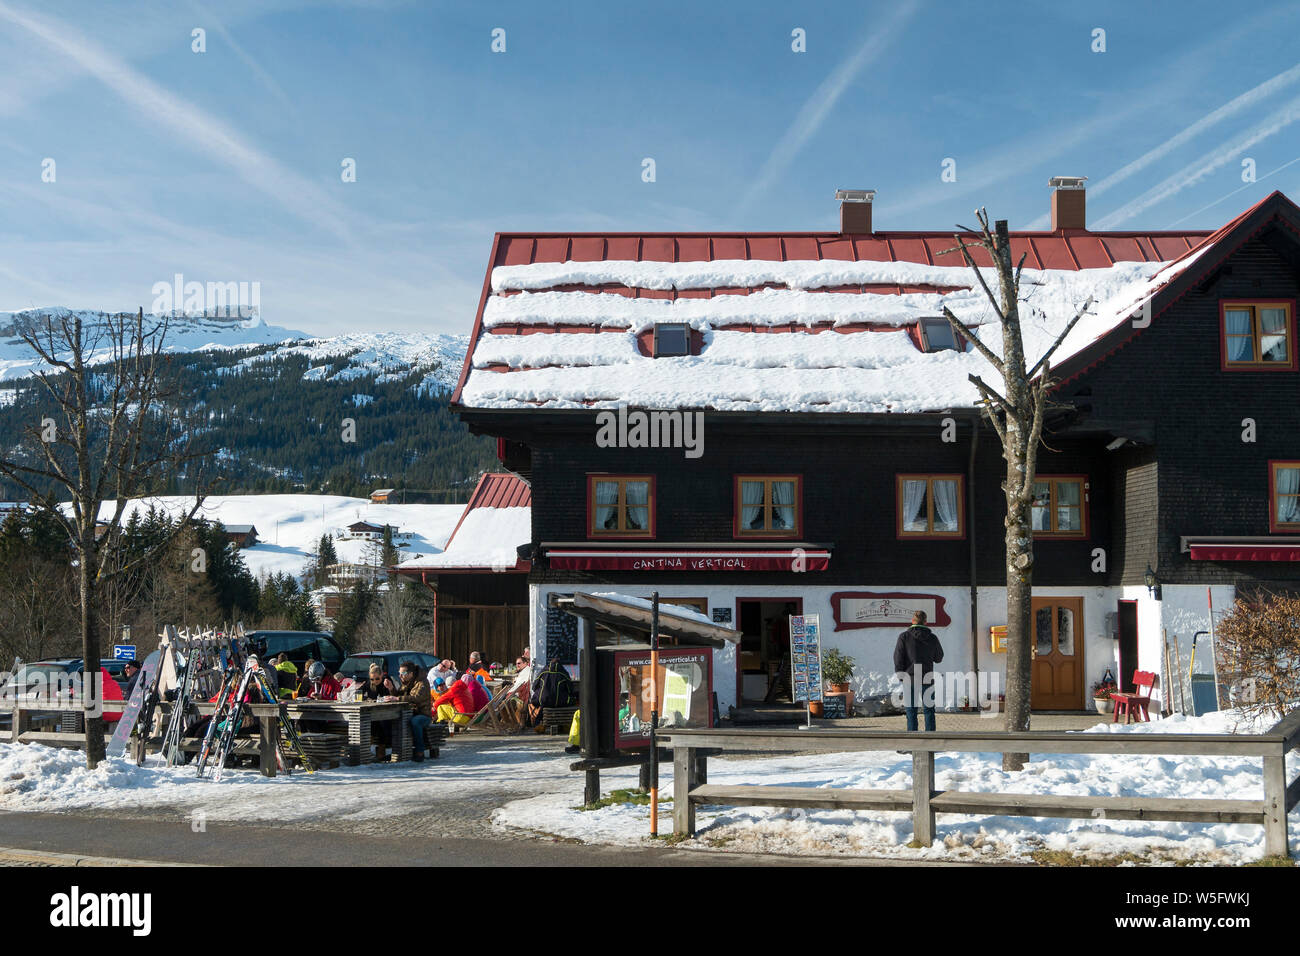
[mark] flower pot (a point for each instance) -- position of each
(815, 708)
(1103, 704)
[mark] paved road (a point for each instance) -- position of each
(134, 839)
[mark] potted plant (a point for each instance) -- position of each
(1101, 698)
(837, 668)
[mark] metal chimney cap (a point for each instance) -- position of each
(1067, 182)
(855, 195)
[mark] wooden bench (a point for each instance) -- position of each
(691, 789)
(557, 720)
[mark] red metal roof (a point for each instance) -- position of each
(500, 490)
(1043, 250)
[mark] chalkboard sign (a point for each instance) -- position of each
(722, 615)
(835, 706)
(561, 637)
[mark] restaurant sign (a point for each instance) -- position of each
(787, 559)
(854, 609)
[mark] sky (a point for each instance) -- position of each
(128, 157)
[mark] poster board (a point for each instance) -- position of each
(805, 657)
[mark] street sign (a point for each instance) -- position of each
(123, 652)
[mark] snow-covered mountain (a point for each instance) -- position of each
(393, 354)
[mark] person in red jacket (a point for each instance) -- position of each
(109, 690)
(322, 685)
(454, 704)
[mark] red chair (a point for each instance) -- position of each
(1134, 702)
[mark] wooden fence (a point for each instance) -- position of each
(692, 748)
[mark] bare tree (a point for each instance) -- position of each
(1016, 414)
(113, 433)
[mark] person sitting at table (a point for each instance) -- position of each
(416, 693)
(445, 671)
(319, 685)
(478, 691)
(378, 686)
(286, 676)
(455, 705)
(109, 690)
(476, 666)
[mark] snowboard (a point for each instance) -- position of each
(122, 734)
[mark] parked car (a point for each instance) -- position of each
(38, 677)
(299, 645)
(358, 665)
(116, 669)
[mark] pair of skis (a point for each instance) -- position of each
(233, 711)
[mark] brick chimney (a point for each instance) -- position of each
(855, 211)
(1069, 202)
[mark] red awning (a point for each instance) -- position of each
(1246, 552)
(787, 559)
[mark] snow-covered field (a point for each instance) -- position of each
(289, 527)
(38, 778)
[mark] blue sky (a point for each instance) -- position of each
(225, 165)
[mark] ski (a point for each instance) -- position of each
(289, 739)
(131, 715)
(209, 737)
(234, 716)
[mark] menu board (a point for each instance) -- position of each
(806, 656)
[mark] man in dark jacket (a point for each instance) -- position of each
(915, 655)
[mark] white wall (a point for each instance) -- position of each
(873, 648)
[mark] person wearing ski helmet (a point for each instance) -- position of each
(319, 684)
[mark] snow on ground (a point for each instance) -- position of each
(38, 778)
(289, 527)
(960, 837)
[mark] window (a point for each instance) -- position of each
(1058, 507)
(930, 506)
(937, 336)
(1258, 335)
(767, 506)
(621, 506)
(1284, 514)
(672, 339)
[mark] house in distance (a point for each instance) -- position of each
(838, 463)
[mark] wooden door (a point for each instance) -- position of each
(1056, 635)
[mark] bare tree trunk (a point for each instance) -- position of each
(1020, 595)
(90, 652)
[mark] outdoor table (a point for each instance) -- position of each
(28, 710)
(359, 717)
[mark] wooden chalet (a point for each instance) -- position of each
(760, 424)
(243, 535)
(479, 580)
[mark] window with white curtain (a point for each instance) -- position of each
(1286, 495)
(930, 506)
(1258, 335)
(1058, 506)
(768, 505)
(620, 505)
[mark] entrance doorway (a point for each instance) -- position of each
(1057, 670)
(763, 660)
(1128, 644)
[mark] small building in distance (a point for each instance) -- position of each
(243, 535)
(479, 581)
(380, 496)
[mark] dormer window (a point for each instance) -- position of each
(672, 339)
(937, 336)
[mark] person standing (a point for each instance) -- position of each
(132, 670)
(915, 654)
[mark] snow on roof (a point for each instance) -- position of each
(496, 521)
(785, 322)
(798, 369)
(486, 538)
